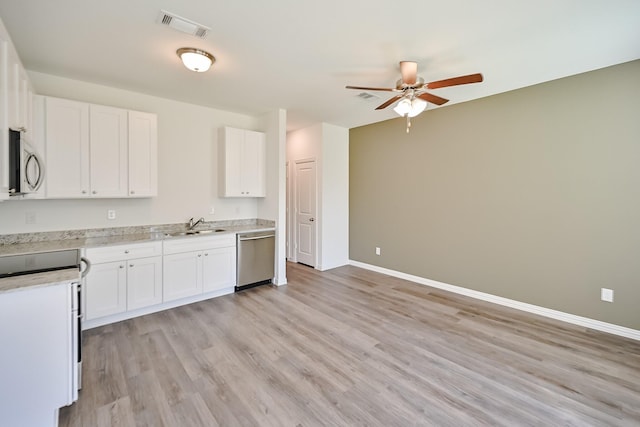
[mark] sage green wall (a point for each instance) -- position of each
(532, 195)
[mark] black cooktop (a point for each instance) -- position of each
(16, 265)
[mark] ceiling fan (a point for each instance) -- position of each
(412, 91)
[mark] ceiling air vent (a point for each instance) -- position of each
(367, 96)
(182, 24)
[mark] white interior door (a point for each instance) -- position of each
(305, 218)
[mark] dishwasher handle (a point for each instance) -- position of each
(242, 238)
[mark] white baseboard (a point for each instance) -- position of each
(542, 311)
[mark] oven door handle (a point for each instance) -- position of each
(87, 269)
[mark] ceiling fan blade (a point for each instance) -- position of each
(389, 102)
(409, 71)
(433, 98)
(386, 89)
(462, 80)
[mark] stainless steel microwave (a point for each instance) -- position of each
(26, 168)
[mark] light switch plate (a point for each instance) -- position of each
(606, 295)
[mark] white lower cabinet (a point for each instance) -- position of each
(182, 275)
(106, 290)
(144, 282)
(123, 278)
(129, 280)
(194, 266)
(218, 269)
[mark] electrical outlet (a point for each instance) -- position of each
(377, 250)
(111, 214)
(30, 218)
(606, 294)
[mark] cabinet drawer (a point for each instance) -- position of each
(188, 244)
(124, 252)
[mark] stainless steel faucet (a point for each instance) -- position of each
(192, 224)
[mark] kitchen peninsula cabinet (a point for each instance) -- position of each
(98, 151)
(123, 278)
(37, 356)
(241, 158)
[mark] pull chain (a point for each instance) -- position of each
(408, 122)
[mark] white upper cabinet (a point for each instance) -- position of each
(108, 151)
(241, 160)
(99, 151)
(4, 124)
(67, 148)
(15, 104)
(143, 154)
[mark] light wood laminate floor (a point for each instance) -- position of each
(350, 347)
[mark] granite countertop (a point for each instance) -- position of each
(81, 239)
(49, 278)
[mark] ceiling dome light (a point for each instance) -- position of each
(195, 59)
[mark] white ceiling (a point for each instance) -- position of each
(299, 55)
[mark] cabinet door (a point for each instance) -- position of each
(143, 154)
(67, 148)
(252, 167)
(106, 289)
(144, 282)
(108, 151)
(218, 269)
(182, 275)
(231, 141)
(13, 92)
(4, 123)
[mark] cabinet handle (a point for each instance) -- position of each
(133, 192)
(199, 255)
(206, 254)
(94, 192)
(126, 251)
(121, 266)
(84, 192)
(130, 265)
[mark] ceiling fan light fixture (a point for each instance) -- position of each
(410, 107)
(196, 59)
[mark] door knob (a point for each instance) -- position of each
(311, 219)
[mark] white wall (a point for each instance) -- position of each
(273, 206)
(334, 232)
(187, 167)
(329, 146)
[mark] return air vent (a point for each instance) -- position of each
(182, 24)
(367, 96)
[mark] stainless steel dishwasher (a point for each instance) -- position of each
(255, 258)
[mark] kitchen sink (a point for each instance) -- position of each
(195, 232)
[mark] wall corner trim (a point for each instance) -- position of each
(530, 308)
